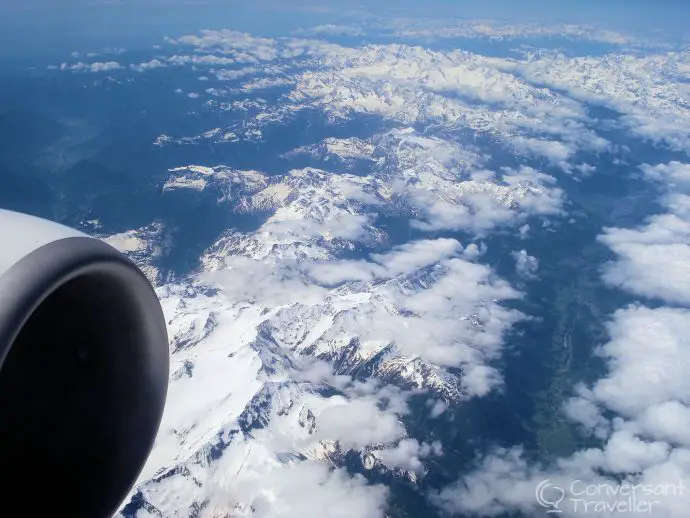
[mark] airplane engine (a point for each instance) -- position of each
(83, 371)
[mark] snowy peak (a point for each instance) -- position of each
(145, 246)
(229, 185)
(342, 151)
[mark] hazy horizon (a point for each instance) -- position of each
(38, 27)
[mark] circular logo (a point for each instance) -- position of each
(549, 496)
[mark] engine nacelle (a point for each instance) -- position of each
(83, 371)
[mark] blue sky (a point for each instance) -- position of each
(31, 27)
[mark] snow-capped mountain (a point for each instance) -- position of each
(298, 343)
(348, 153)
(145, 246)
(315, 334)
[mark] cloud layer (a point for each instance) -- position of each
(640, 411)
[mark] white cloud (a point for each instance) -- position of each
(446, 189)
(646, 89)
(148, 65)
(402, 260)
(264, 282)
(92, 67)
(649, 354)
(454, 324)
(503, 482)
(535, 191)
(315, 209)
(358, 422)
(193, 95)
(478, 213)
(428, 302)
(114, 50)
(203, 60)
(266, 82)
(525, 264)
(359, 415)
(437, 408)
(231, 75)
(506, 482)
(586, 412)
(104, 67)
(479, 206)
(626, 453)
(408, 455)
(586, 169)
(308, 490)
(430, 29)
(556, 152)
(669, 421)
(245, 48)
(654, 260)
(228, 40)
(429, 305)
(343, 226)
(332, 30)
(674, 175)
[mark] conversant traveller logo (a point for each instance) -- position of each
(580, 497)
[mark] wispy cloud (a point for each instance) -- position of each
(95, 67)
(332, 30)
(148, 65)
(525, 265)
(402, 260)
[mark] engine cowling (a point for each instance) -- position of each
(83, 370)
